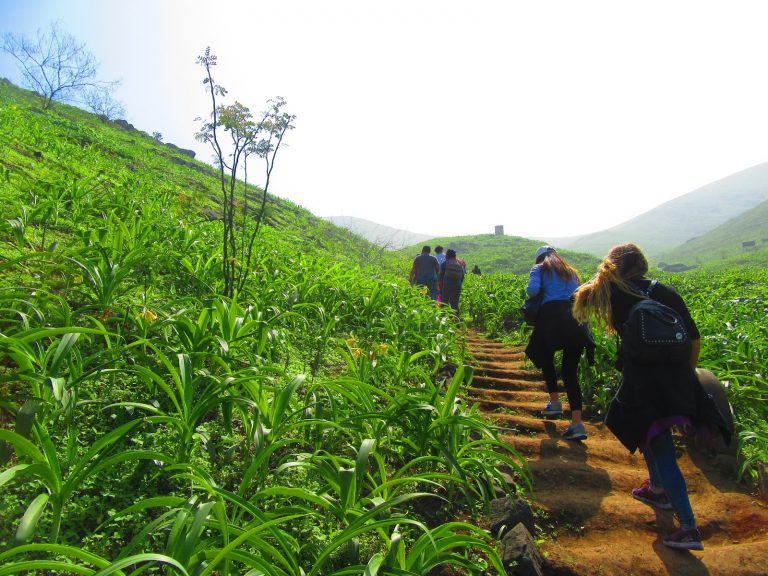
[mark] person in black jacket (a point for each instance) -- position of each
(652, 398)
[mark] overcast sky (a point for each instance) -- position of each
(551, 118)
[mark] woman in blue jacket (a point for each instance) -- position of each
(556, 329)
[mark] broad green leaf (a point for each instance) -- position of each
(28, 523)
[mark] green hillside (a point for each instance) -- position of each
(65, 154)
(503, 254)
(742, 241)
(153, 422)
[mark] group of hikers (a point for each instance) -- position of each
(660, 387)
(654, 395)
(442, 275)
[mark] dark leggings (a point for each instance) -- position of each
(570, 373)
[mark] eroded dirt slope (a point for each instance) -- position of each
(585, 488)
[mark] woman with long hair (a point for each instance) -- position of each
(652, 397)
(556, 329)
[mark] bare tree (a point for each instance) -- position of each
(100, 100)
(54, 64)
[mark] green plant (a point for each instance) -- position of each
(62, 475)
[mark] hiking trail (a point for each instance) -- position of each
(594, 526)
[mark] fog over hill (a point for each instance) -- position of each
(658, 231)
(683, 218)
(741, 240)
(385, 236)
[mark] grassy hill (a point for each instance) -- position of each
(684, 218)
(742, 241)
(148, 419)
(66, 154)
(503, 254)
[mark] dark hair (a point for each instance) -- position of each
(426, 250)
(630, 261)
(553, 262)
(438, 248)
(451, 253)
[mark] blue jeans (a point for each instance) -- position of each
(661, 458)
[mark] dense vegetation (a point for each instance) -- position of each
(148, 424)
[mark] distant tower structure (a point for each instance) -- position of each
(499, 230)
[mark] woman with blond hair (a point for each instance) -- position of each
(556, 329)
(652, 398)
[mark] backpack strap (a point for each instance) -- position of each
(647, 292)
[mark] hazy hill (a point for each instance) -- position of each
(740, 241)
(684, 218)
(504, 254)
(379, 234)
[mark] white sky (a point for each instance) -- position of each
(552, 118)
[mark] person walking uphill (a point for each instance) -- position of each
(451, 279)
(653, 395)
(556, 329)
(424, 271)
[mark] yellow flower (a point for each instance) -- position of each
(383, 348)
(148, 315)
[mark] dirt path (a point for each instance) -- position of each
(599, 529)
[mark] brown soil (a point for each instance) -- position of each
(593, 525)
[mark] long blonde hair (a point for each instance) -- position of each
(623, 264)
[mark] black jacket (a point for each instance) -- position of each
(648, 393)
(556, 329)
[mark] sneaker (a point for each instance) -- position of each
(575, 432)
(552, 409)
(648, 496)
(686, 539)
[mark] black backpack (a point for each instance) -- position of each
(654, 333)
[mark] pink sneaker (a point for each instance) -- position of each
(648, 496)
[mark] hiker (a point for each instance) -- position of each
(451, 278)
(652, 397)
(556, 329)
(424, 271)
(476, 270)
(439, 255)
